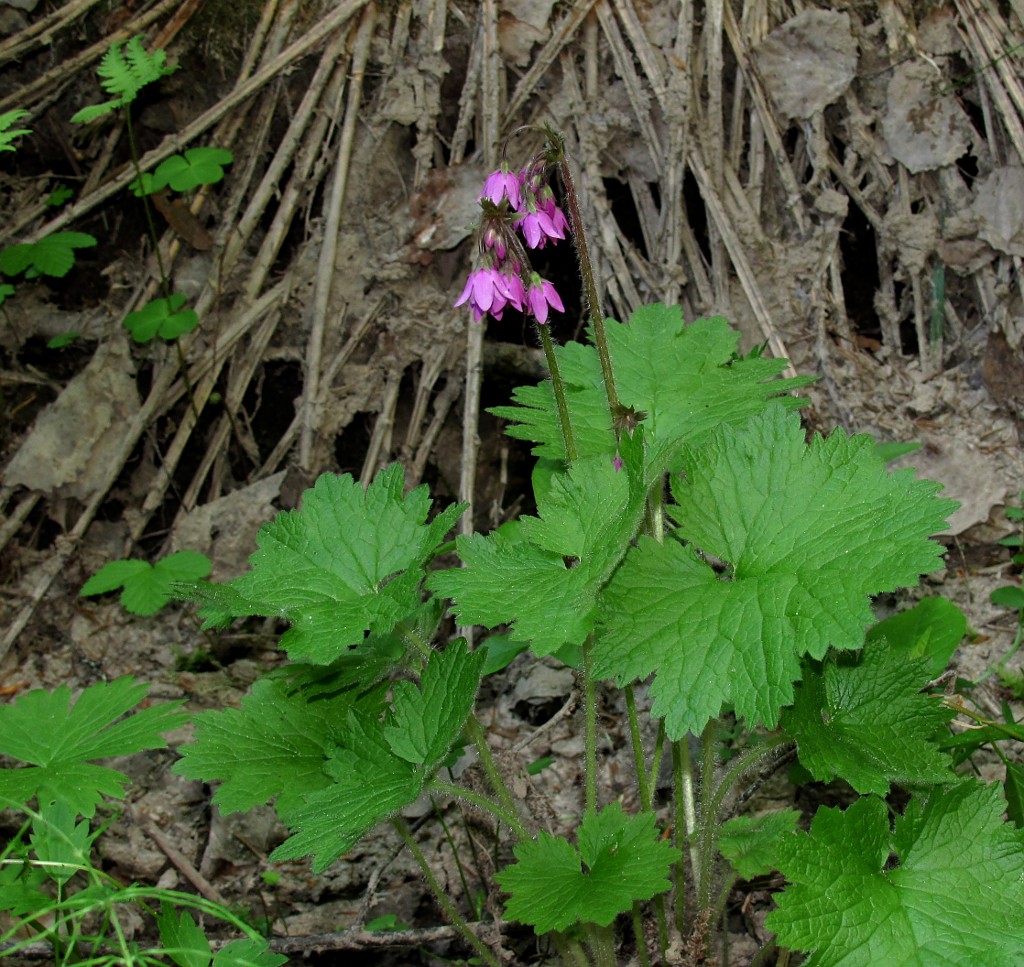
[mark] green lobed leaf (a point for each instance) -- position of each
(161, 317)
(182, 939)
(542, 576)
(276, 744)
(348, 563)
(944, 888)
(197, 166)
(379, 768)
(687, 378)
(248, 953)
(370, 783)
(807, 532)
(428, 719)
(60, 737)
(624, 861)
(53, 255)
(864, 719)
(749, 842)
(147, 587)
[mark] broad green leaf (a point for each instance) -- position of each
(931, 629)
(60, 737)
(348, 563)
(428, 719)
(125, 69)
(148, 587)
(500, 652)
(620, 859)
(7, 136)
(944, 888)
(543, 575)
(370, 783)
(276, 744)
(865, 720)
(248, 953)
(161, 317)
(197, 166)
(182, 938)
(53, 255)
(686, 378)
(378, 769)
(807, 533)
(749, 842)
(1009, 596)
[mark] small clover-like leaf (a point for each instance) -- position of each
(197, 166)
(147, 587)
(808, 533)
(60, 737)
(161, 317)
(53, 255)
(624, 860)
(944, 887)
(7, 136)
(865, 720)
(348, 563)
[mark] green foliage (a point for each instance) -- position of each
(687, 379)
(554, 884)
(53, 255)
(59, 196)
(808, 532)
(348, 564)
(124, 71)
(751, 843)
(864, 719)
(7, 136)
(60, 738)
(921, 892)
(161, 317)
(62, 341)
(543, 574)
(197, 166)
(147, 587)
(932, 629)
(187, 945)
(6, 291)
(337, 767)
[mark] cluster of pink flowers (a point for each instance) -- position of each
(514, 201)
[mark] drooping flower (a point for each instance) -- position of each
(489, 290)
(540, 219)
(539, 296)
(617, 462)
(503, 184)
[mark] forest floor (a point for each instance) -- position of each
(843, 184)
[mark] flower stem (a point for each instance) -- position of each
(638, 749)
(558, 387)
(499, 812)
(594, 313)
(446, 905)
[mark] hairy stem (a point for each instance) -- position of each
(442, 899)
(589, 728)
(558, 388)
(476, 733)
